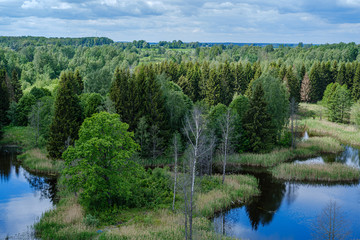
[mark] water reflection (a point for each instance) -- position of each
(349, 157)
(286, 210)
(23, 196)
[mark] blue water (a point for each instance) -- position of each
(23, 197)
(290, 210)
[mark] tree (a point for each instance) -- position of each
(213, 89)
(195, 131)
(67, 119)
(239, 106)
(338, 100)
(176, 141)
(23, 109)
(305, 89)
(16, 86)
(356, 84)
(227, 131)
(331, 223)
(99, 165)
(4, 98)
(35, 120)
(293, 84)
(316, 83)
(258, 125)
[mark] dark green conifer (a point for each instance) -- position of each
(213, 89)
(356, 85)
(67, 119)
(258, 126)
(78, 82)
(16, 86)
(4, 98)
(119, 93)
(341, 74)
(293, 84)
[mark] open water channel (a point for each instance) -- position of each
(291, 210)
(23, 197)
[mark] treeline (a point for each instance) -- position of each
(17, 43)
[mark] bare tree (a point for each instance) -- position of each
(35, 121)
(176, 146)
(331, 224)
(227, 128)
(199, 145)
(293, 107)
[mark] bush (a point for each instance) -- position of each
(91, 221)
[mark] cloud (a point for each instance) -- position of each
(189, 20)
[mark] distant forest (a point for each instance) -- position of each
(154, 86)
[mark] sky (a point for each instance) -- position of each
(246, 21)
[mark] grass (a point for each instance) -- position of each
(66, 221)
(33, 158)
(316, 172)
(312, 147)
(347, 134)
(237, 188)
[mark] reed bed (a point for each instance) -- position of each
(309, 148)
(347, 134)
(316, 172)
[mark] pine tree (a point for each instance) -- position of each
(258, 125)
(16, 86)
(240, 80)
(4, 98)
(227, 83)
(356, 85)
(67, 119)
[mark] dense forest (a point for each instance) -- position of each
(203, 100)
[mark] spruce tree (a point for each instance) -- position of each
(78, 82)
(67, 119)
(340, 78)
(119, 93)
(227, 83)
(16, 86)
(4, 98)
(240, 80)
(355, 92)
(213, 89)
(258, 126)
(293, 85)
(316, 82)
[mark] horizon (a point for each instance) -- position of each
(240, 21)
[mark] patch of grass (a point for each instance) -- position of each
(236, 188)
(64, 222)
(309, 148)
(33, 158)
(347, 134)
(68, 219)
(316, 172)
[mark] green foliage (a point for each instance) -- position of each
(67, 117)
(101, 155)
(4, 98)
(239, 106)
(213, 118)
(23, 109)
(90, 220)
(356, 84)
(293, 84)
(338, 101)
(258, 125)
(15, 83)
(91, 103)
(45, 110)
(356, 113)
(39, 92)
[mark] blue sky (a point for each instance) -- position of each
(290, 21)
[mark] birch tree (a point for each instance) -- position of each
(195, 131)
(227, 128)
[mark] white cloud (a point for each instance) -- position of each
(349, 3)
(31, 4)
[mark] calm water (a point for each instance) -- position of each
(23, 197)
(287, 210)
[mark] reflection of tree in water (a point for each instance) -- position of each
(262, 209)
(7, 160)
(291, 192)
(331, 223)
(46, 186)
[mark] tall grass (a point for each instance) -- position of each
(309, 148)
(33, 158)
(66, 221)
(316, 172)
(237, 188)
(347, 134)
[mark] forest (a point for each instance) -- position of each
(106, 115)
